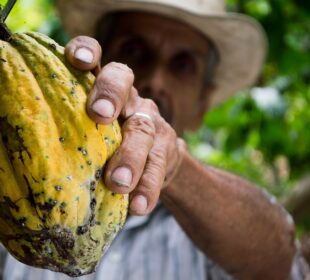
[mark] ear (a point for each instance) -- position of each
(205, 99)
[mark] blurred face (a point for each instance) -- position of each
(168, 59)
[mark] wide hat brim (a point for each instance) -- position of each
(240, 40)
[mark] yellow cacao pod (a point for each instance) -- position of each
(55, 212)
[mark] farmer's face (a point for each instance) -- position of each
(168, 59)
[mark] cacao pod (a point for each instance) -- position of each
(55, 212)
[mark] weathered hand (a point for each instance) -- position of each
(149, 151)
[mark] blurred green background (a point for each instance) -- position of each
(262, 133)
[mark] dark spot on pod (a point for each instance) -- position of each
(22, 70)
(43, 179)
(2, 60)
(58, 188)
(81, 253)
(56, 228)
(113, 194)
(61, 139)
(92, 186)
(75, 83)
(72, 91)
(94, 240)
(74, 272)
(83, 150)
(26, 250)
(52, 201)
(89, 162)
(62, 207)
(48, 205)
(37, 98)
(18, 236)
(98, 174)
(93, 221)
(22, 221)
(67, 241)
(63, 99)
(53, 76)
(10, 203)
(18, 128)
(82, 229)
(98, 223)
(5, 139)
(110, 213)
(53, 46)
(93, 204)
(82, 166)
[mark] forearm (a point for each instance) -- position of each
(231, 221)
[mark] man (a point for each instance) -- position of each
(185, 56)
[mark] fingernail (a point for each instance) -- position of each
(122, 176)
(104, 108)
(84, 55)
(139, 204)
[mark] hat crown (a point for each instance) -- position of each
(197, 6)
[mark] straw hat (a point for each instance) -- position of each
(239, 39)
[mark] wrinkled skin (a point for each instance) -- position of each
(168, 60)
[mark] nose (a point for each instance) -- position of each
(155, 86)
(152, 82)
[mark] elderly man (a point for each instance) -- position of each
(188, 220)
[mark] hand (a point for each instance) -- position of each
(149, 152)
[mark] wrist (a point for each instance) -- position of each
(174, 173)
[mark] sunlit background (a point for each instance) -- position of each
(262, 133)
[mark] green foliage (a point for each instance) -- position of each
(35, 15)
(268, 139)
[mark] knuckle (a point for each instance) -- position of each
(140, 125)
(109, 77)
(107, 89)
(158, 158)
(117, 66)
(131, 155)
(134, 95)
(172, 134)
(151, 104)
(166, 129)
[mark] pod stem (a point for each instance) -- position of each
(5, 34)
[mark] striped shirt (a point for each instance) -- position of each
(152, 247)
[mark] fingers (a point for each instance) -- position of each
(140, 164)
(144, 197)
(126, 167)
(110, 92)
(83, 53)
(131, 156)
